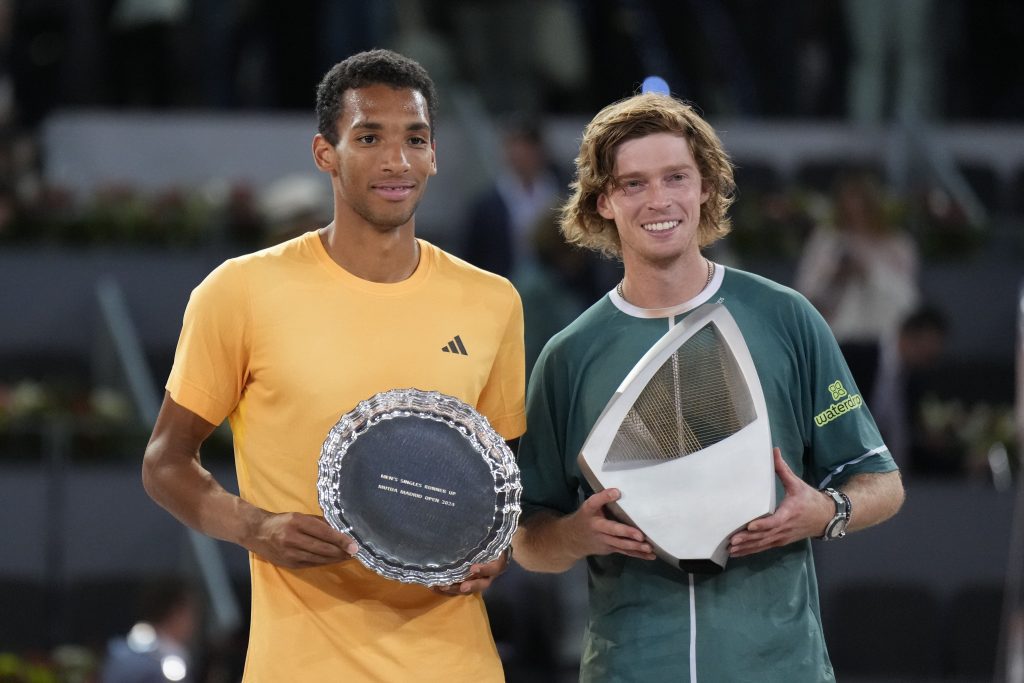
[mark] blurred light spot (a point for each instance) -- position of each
(173, 667)
(142, 637)
(655, 84)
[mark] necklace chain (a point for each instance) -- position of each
(711, 274)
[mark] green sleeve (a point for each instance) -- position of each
(844, 439)
(547, 475)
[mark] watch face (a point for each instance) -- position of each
(837, 528)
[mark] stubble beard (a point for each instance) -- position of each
(384, 221)
(663, 259)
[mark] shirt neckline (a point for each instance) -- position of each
(702, 297)
(423, 269)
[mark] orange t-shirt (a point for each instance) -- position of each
(282, 343)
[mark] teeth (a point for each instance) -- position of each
(658, 227)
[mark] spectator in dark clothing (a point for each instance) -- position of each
(498, 230)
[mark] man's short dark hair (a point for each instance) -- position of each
(373, 67)
(524, 126)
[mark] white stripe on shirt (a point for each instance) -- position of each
(873, 451)
(693, 632)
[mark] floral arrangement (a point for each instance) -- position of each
(65, 664)
(977, 432)
(124, 215)
(776, 223)
(28, 400)
(101, 421)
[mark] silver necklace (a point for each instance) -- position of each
(711, 274)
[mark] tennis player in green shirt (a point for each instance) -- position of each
(653, 188)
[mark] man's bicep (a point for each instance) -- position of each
(178, 432)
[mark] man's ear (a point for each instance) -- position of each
(433, 158)
(603, 208)
(325, 156)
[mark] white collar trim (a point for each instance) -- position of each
(702, 297)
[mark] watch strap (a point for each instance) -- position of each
(836, 528)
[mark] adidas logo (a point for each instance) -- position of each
(456, 346)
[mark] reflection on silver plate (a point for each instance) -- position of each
(423, 483)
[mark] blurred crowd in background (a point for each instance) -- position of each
(865, 61)
(853, 244)
(792, 59)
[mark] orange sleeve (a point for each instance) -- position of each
(211, 360)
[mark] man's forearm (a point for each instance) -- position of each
(541, 544)
(874, 498)
(174, 477)
(190, 493)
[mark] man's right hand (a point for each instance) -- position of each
(297, 541)
(591, 530)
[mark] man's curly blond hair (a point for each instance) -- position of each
(628, 119)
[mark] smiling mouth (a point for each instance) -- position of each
(394, 191)
(660, 226)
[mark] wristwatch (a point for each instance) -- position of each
(836, 528)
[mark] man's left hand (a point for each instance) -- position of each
(480, 577)
(803, 513)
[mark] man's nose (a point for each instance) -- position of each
(395, 159)
(657, 196)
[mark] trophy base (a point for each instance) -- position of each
(714, 563)
(705, 567)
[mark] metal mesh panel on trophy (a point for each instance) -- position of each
(695, 399)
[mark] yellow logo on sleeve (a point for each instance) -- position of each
(842, 404)
(837, 390)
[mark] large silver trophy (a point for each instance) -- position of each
(685, 439)
(423, 484)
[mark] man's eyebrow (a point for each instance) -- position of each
(633, 175)
(674, 168)
(367, 125)
(373, 125)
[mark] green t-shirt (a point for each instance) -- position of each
(759, 619)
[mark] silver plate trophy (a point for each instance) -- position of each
(423, 484)
(685, 439)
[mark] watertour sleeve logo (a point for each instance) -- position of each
(842, 404)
